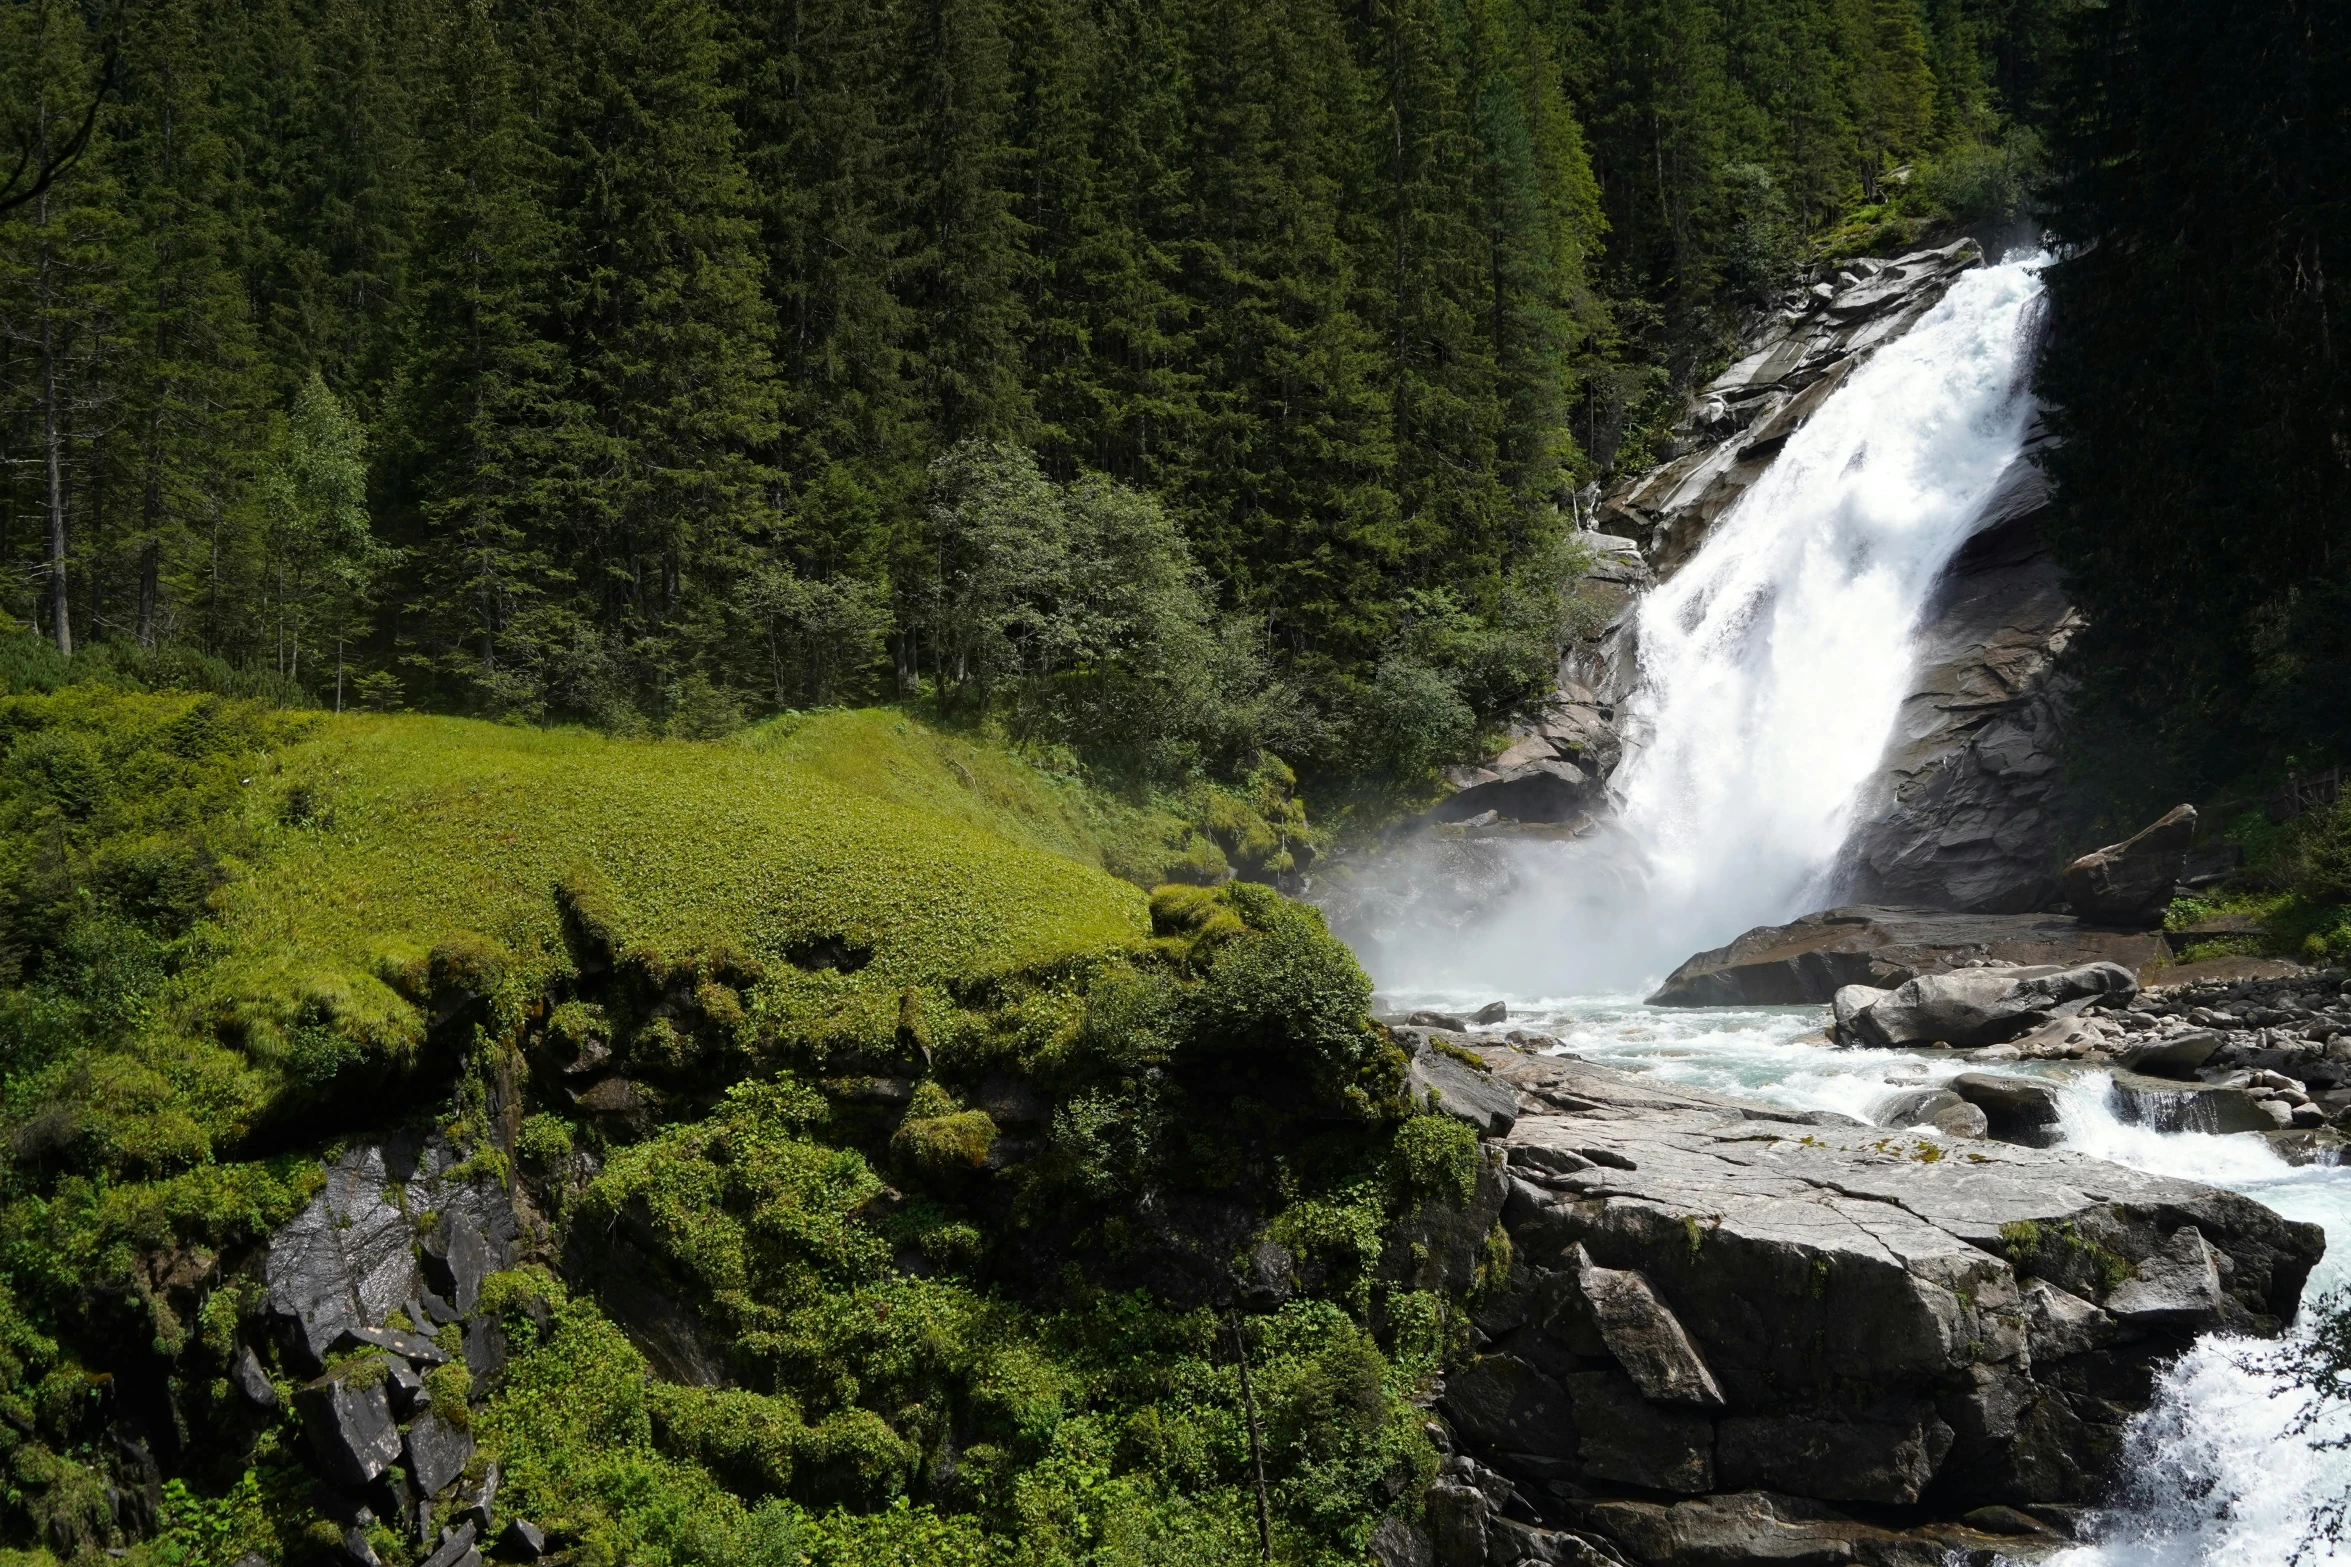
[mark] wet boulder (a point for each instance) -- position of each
(2130, 883)
(2016, 1109)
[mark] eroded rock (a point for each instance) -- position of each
(1883, 1319)
(349, 1426)
(1809, 960)
(2131, 882)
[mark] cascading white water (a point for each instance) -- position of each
(1774, 664)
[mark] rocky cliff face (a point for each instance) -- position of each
(1964, 813)
(1727, 1326)
(1788, 365)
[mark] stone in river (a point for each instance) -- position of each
(1984, 1006)
(1876, 1313)
(1807, 961)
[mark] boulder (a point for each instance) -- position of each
(437, 1453)
(1439, 1082)
(2168, 1055)
(1914, 1107)
(458, 1550)
(1807, 961)
(1962, 1120)
(523, 1540)
(349, 1425)
(2130, 883)
(1870, 1311)
(404, 1387)
(2018, 1109)
(1983, 1006)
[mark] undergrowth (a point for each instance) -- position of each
(972, 1169)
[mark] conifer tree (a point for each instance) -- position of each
(489, 437)
(665, 327)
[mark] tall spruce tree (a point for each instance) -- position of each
(661, 312)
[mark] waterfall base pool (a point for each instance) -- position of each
(2214, 1473)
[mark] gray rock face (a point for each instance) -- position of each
(1713, 1296)
(1966, 811)
(350, 1429)
(2130, 883)
(349, 1259)
(1445, 1085)
(1809, 960)
(1741, 419)
(1983, 1006)
(2016, 1109)
(437, 1454)
(1644, 1337)
(345, 1262)
(2168, 1055)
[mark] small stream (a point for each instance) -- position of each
(2214, 1476)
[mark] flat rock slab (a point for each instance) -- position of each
(1711, 1294)
(1807, 961)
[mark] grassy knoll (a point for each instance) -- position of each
(950, 1147)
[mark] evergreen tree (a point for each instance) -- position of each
(665, 326)
(490, 439)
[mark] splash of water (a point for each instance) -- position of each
(1773, 666)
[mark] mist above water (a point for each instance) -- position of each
(1772, 669)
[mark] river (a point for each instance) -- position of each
(1772, 669)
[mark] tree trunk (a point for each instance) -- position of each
(1256, 1451)
(53, 447)
(150, 590)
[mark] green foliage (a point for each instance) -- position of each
(2201, 472)
(1436, 1156)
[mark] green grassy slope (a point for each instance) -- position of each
(232, 936)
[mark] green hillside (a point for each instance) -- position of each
(745, 1005)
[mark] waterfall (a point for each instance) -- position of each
(1773, 666)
